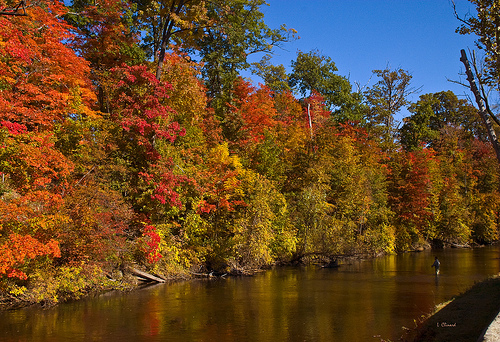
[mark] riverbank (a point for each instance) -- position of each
(45, 292)
(465, 318)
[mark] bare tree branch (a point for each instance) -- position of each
(456, 14)
(481, 88)
(481, 104)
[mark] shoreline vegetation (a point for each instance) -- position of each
(129, 139)
(130, 277)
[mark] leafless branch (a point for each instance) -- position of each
(481, 103)
(15, 10)
(484, 95)
(456, 14)
(458, 82)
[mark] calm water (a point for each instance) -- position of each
(362, 301)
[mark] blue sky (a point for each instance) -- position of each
(363, 35)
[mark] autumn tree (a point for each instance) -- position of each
(359, 189)
(105, 36)
(483, 182)
(37, 100)
(413, 197)
(34, 176)
(341, 205)
(264, 232)
(226, 47)
(252, 113)
(45, 87)
(455, 185)
(284, 152)
(142, 123)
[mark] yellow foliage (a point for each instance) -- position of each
(219, 155)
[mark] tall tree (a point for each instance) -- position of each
(386, 98)
(314, 72)
(485, 25)
(163, 20)
(225, 47)
(224, 32)
(431, 113)
(105, 36)
(274, 76)
(43, 85)
(482, 102)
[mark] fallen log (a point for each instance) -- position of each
(456, 245)
(145, 275)
(203, 275)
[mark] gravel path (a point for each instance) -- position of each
(492, 333)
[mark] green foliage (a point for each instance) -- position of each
(274, 77)
(312, 72)
(385, 99)
(267, 159)
(485, 26)
(432, 113)
(224, 48)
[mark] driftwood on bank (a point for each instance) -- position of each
(203, 275)
(457, 245)
(144, 275)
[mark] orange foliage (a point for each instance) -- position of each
(256, 107)
(413, 184)
(20, 249)
(40, 75)
(187, 97)
(34, 163)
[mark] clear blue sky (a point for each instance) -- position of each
(363, 35)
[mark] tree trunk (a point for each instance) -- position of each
(167, 33)
(145, 275)
(164, 42)
(481, 105)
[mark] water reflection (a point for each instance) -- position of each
(356, 302)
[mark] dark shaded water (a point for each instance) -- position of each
(364, 301)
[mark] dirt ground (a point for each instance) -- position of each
(465, 318)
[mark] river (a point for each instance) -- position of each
(362, 300)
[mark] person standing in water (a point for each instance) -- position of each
(436, 265)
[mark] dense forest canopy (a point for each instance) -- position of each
(128, 137)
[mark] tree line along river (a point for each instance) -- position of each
(362, 300)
